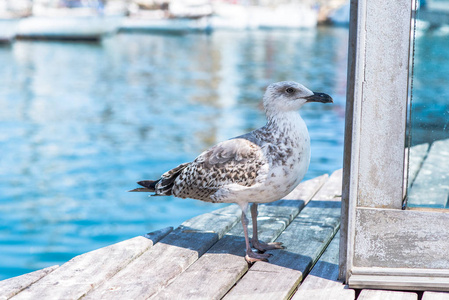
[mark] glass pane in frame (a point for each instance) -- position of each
(428, 121)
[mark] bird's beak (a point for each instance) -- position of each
(319, 97)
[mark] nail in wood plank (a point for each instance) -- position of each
(84, 272)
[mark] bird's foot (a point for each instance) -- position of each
(252, 257)
(261, 246)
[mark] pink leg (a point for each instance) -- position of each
(261, 246)
(251, 257)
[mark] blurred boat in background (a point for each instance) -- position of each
(11, 12)
(174, 17)
(70, 20)
(93, 19)
(181, 16)
(293, 15)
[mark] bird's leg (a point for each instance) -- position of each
(261, 246)
(250, 256)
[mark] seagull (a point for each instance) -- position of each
(261, 166)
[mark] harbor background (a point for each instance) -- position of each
(81, 122)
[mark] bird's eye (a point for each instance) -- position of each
(290, 90)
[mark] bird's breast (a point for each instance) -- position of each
(288, 163)
(284, 146)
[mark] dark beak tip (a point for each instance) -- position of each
(320, 97)
(325, 98)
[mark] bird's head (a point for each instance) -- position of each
(287, 96)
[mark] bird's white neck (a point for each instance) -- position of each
(282, 121)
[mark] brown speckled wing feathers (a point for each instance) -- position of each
(235, 161)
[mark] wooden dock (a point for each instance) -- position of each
(204, 259)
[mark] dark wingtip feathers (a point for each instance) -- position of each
(149, 184)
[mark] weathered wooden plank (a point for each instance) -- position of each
(386, 295)
(401, 239)
(332, 188)
(325, 268)
(326, 294)
(391, 281)
(431, 188)
(161, 264)
(13, 286)
(217, 271)
(379, 81)
(84, 272)
(305, 238)
(213, 274)
(322, 282)
(435, 296)
(219, 221)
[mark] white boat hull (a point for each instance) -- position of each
(284, 16)
(68, 27)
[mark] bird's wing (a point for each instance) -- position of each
(236, 161)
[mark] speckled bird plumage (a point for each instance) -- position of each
(261, 166)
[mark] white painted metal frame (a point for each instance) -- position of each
(383, 246)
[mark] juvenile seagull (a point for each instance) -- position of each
(261, 166)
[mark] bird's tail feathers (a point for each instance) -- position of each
(167, 181)
(162, 186)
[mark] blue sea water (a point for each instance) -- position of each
(80, 123)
